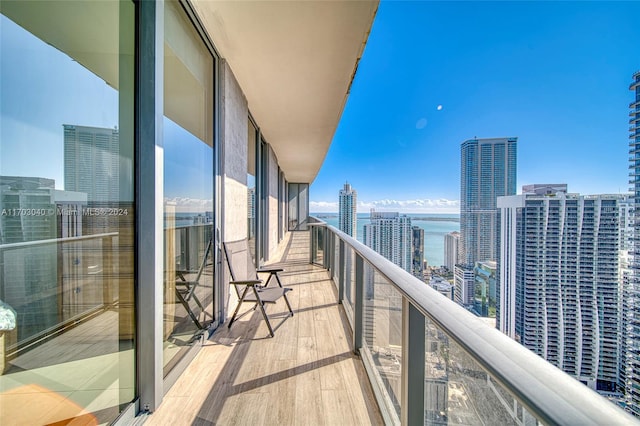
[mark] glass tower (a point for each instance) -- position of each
(488, 171)
(347, 219)
(632, 292)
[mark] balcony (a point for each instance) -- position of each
(370, 344)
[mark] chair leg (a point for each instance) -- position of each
(264, 313)
(185, 304)
(235, 312)
(286, 299)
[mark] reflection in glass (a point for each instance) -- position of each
(252, 215)
(459, 391)
(188, 186)
(66, 212)
(382, 331)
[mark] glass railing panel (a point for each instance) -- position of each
(458, 391)
(349, 280)
(382, 332)
(336, 260)
(319, 249)
(317, 244)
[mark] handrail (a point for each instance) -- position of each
(56, 241)
(547, 392)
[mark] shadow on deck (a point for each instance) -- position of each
(306, 374)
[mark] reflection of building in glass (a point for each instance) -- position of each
(390, 235)
(451, 250)
(488, 171)
(417, 252)
(559, 281)
(29, 274)
(459, 391)
(251, 211)
(347, 217)
(92, 162)
(436, 386)
(484, 298)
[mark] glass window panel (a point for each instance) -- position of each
(67, 218)
(188, 185)
(252, 200)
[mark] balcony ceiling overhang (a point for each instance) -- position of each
(294, 61)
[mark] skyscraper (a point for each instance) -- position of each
(559, 288)
(488, 171)
(92, 162)
(451, 250)
(347, 203)
(417, 252)
(390, 235)
(632, 345)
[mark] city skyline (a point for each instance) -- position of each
(542, 72)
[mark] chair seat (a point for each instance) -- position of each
(267, 295)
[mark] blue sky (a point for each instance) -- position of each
(554, 74)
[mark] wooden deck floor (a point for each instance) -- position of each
(307, 374)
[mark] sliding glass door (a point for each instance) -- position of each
(189, 170)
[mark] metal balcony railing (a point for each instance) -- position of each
(430, 361)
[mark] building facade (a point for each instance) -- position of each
(463, 285)
(451, 250)
(347, 211)
(390, 234)
(632, 345)
(559, 288)
(488, 170)
(484, 295)
(417, 252)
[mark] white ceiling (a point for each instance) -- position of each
(294, 61)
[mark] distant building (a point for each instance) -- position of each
(417, 251)
(488, 171)
(442, 286)
(544, 189)
(559, 288)
(452, 250)
(632, 296)
(347, 212)
(390, 235)
(484, 297)
(464, 285)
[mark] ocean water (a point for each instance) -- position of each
(435, 226)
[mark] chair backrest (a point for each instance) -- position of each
(239, 260)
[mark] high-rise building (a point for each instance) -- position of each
(451, 250)
(625, 279)
(389, 234)
(632, 344)
(92, 162)
(559, 288)
(417, 251)
(488, 171)
(463, 285)
(347, 204)
(484, 295)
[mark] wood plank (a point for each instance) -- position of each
(306, 374)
